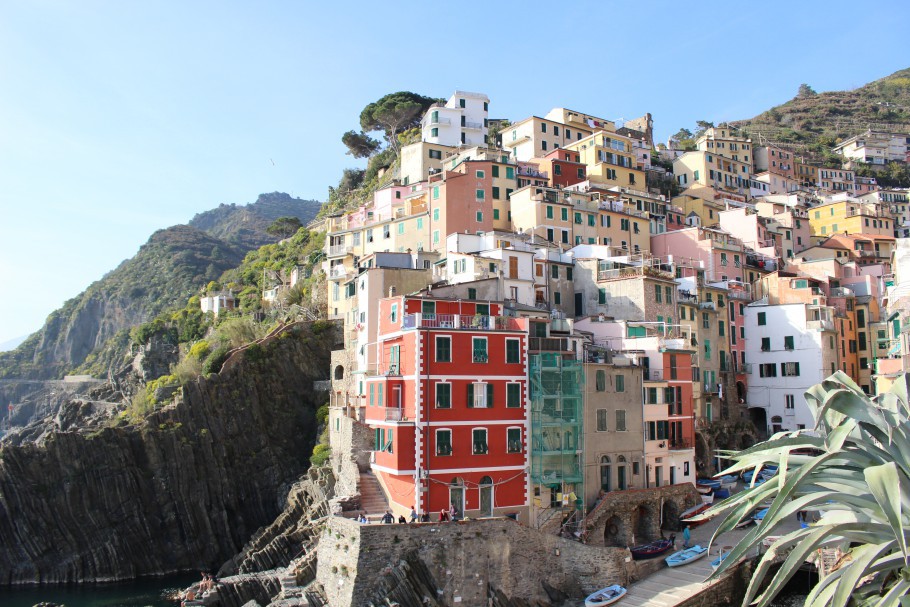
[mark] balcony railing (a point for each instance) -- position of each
(472, 125)
(820, 325)
(679, 445)
(739, 294)
(464, 322)
(438, 120)
(340, 249)
(707, 305)
(393, 414)
(338, 271)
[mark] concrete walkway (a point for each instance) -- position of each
(671, 586)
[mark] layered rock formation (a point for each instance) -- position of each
(182, 490)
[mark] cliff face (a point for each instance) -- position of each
(183, 490)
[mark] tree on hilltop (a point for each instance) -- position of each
(805, 91)
(394, 113)
(284, 227)
(360, 145)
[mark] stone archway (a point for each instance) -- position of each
(670, 515)
(615, 533)
(644, 524)
(339, 372)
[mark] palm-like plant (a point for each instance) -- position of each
(854, 469)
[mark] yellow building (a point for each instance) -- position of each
(699, 203)
(708, 169)
(722, 142)
(610, 159)
(850, 216)
(535, 137)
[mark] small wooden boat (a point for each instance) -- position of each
(721, 494)
(704, 489)
(649, 551)
(716, 562)
(744, 523)
(685, 517)
(759, 516)
(708, 498)
(605, 596)
(684, 557)
(708, 482)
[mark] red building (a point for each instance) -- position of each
(448, 406)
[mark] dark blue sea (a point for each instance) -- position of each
(150, 592)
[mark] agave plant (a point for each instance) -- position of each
(854, 470)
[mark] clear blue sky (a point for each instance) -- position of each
(120, 118)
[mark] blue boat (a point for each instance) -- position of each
(716, 562)
(605, 596)
(759, 516)
(728, 481)
(720, 494)
(684, 557)
(708, 482)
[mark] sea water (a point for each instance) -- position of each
(147, 592)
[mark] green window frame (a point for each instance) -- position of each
(554, 271)
(495, 213)
(443, 395)
(549, 212)
(513, 440)
(620, 383)
(564, 214)
(479, 194)
(443, 349)
(510, 172)
(495, 170)
(479, 352)
(513, 351)
(443, 442)
(513, 395)
(601, 296)
(761, 318)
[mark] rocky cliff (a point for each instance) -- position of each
(182, 490)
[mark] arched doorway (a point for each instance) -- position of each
(614, 532)
(644, 525)
(486, 496)
(759, 418)
(621, 481)
(670, 516)
(339, 372)
(605, 473)
(456, 495)
(740, 392)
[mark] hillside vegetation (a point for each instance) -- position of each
(813, 118)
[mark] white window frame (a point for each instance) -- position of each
(520, 439)
(436, 443)
(436, 394)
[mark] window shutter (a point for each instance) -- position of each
(489, 395)
(470, 396)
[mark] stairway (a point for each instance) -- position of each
(373, 502)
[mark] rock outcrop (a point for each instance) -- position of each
(182, 490)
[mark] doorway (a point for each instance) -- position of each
(486, 496)
(456, 496)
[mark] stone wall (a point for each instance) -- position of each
(351, 442)
(637, 516)
(464, 560)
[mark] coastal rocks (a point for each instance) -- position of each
(182, 490)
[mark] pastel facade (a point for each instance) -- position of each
(462, 120)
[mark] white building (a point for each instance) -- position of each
(218, 302)
(875, 147)
(790, 348)
(462, 120)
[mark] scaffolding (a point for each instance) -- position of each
(557, 409)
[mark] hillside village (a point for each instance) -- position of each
(529, 325)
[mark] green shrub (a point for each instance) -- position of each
(215, 359)
(321, 454)
(322, 413)
(200, 349)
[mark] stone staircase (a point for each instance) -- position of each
(372, 499)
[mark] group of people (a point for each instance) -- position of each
(200, 589)
(450, 514)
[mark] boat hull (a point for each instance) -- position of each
(684, 557)
(605, 596)
(652, 550)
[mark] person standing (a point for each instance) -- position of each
(413, 515)
(687, 536)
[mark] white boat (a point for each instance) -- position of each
(605, 596)
(684, 557)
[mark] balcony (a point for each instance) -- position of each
(338, 272)
(632, 272)
(820, 325)
(340, 250)
(393, 414)
(679, 445)
(686, 297)
(548, 344)
(467, 124)
(740, 294)
(707, 305)
(438, 120)
(524, 171)
(462, 322)
(712, 388)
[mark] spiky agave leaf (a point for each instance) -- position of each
(859, 475)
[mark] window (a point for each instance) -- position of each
(543, 127)
(790, 401)
(436, 154)
(557, 169)
(495, 170)
(601, 296)
(767, 370)
(496, 192)
(601, 420)
(657, 292)
(479, 349)
(765, 344)
(620, 383)
(557, 298)
(601, 381)
(479, 194)
(443, 442)
(443, 396)
(668, 295)
(721, 328)
(549, 212)
(443, 349)
(705, 320)
(513, 395)
(479, 436)
(434, 132)
(564, 214)
(761, 318)
(620, 420)
(512, 353)
(480, 216)
(472, 294)
(788, 342)
(479, 174)
(436, 214)
(789, 369)
(394, 315)
(513, 440)
(568, 273)
(554, 272)
(578, 218)
(479, 395)
(510, 174)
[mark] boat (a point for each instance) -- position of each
(716, 562)
(744, 523)
(649, 551)
(708, 498)
(684, 557)
(684, 518)
(605, 596)
(728, 482)
(721, 494)
(704, 489)
(759, 516)
(708, 482)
